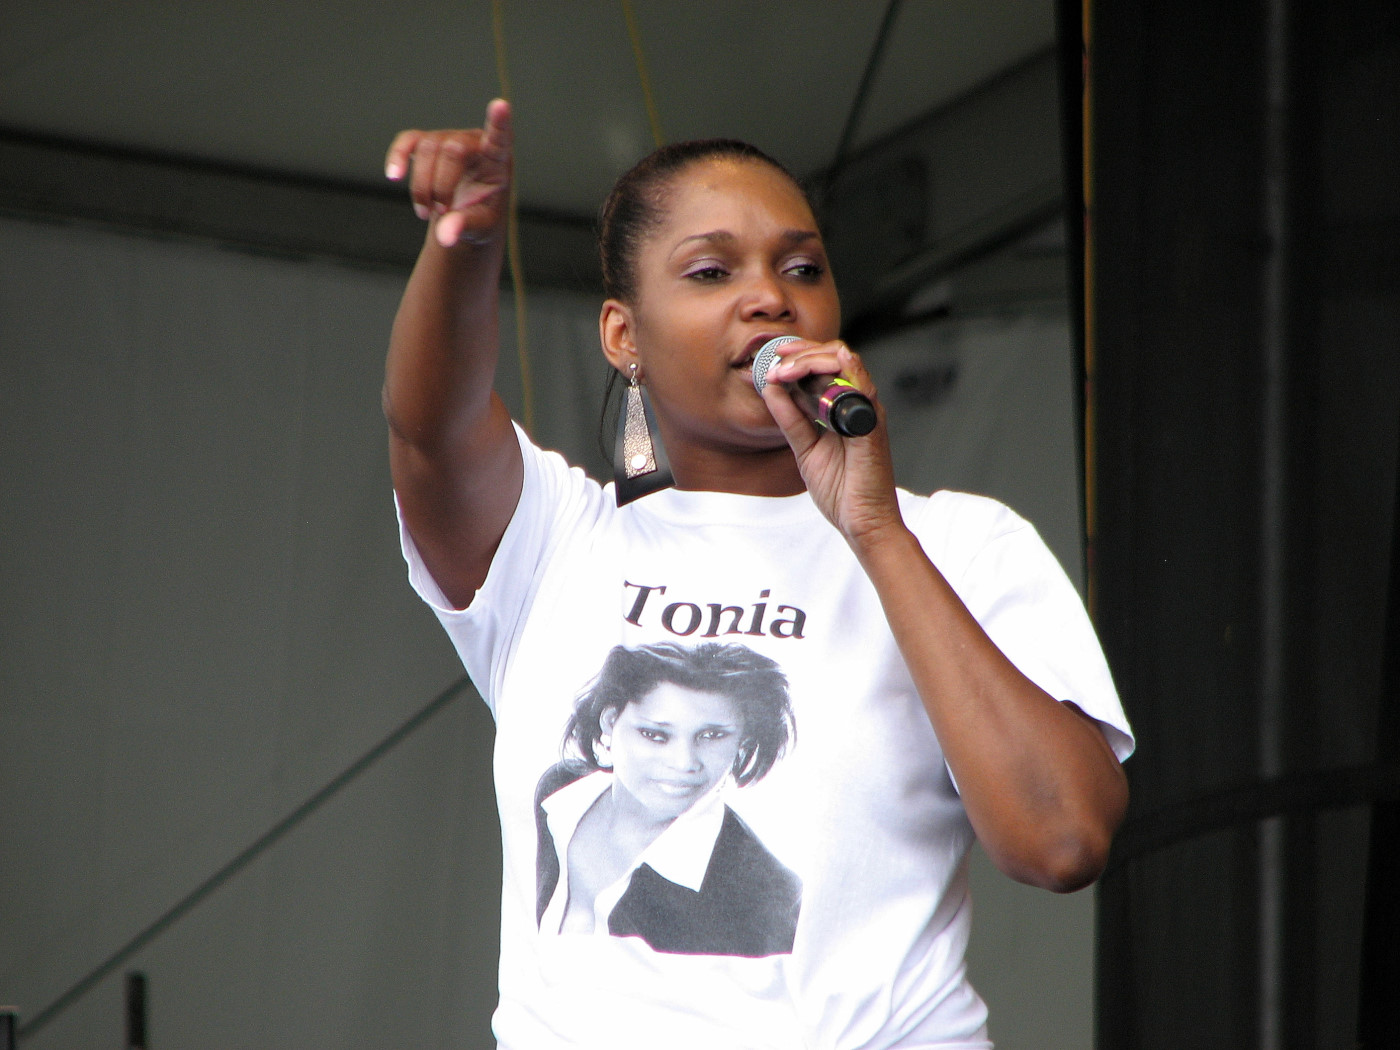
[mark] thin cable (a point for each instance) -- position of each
(872, 64)
(653, 114)
(517, 272)
(278, 831)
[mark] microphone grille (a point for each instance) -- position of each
(763, 360)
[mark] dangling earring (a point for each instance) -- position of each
(605, 746)
(640, 466)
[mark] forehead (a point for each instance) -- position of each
(679, 704)
(725, 192)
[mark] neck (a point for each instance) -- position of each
(770, 472)
(628, 822)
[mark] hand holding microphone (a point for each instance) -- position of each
(829, 401)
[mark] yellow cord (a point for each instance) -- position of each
(517, 275)
(652, 113)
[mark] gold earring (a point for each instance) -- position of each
(640, 466)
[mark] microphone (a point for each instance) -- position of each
(829, 401)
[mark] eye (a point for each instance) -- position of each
(706, 273)
(656, 736)
(713, 734)
(806, 270)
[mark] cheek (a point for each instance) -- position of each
(720, 756)
(626, 755)
(670, 330)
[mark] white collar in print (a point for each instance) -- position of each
(680, 854)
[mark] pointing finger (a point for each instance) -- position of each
(498, 135)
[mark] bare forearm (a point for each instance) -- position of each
(454, 457)
(1041, 785)
(442, 352)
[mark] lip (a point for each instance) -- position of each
(677, 788)
(752, 347)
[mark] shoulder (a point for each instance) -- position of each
(549, 479)
(957, 513)
(956, 528)
(559, 505)
(556, 778)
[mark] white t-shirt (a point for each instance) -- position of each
(860, 809)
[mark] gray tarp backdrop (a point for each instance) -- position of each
(204, 619)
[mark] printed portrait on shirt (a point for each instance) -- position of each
(635, 836)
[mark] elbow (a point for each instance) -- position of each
(1075, 864)
(391, 414)
(394, 416)
(1068, 855)
(406, 427)
(437, 426)
(1069, 862)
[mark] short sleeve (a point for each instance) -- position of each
(1017, 590)
(554, 500)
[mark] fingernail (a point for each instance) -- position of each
(393, 171)
(420, 211)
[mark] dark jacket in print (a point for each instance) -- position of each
(747, 904)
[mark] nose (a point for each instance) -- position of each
(684, 756)
(766, 298)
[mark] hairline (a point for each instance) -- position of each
(663, 184)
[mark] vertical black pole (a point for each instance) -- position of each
(1378, 1015)
(1072, 57)
(7, 1029)
(135, 1010)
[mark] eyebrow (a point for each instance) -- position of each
(657, 724)
(788, 237)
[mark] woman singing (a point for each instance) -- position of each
(943, 672)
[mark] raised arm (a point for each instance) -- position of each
(1041, 785)
(452, 450)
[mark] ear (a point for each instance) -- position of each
(608, 719)
(616, 333)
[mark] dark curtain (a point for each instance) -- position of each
(1242, 348)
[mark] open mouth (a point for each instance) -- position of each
(745, 363)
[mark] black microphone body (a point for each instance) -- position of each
(829, 401)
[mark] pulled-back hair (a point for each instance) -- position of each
(635, 207)
(637, 202)
(754, 683)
